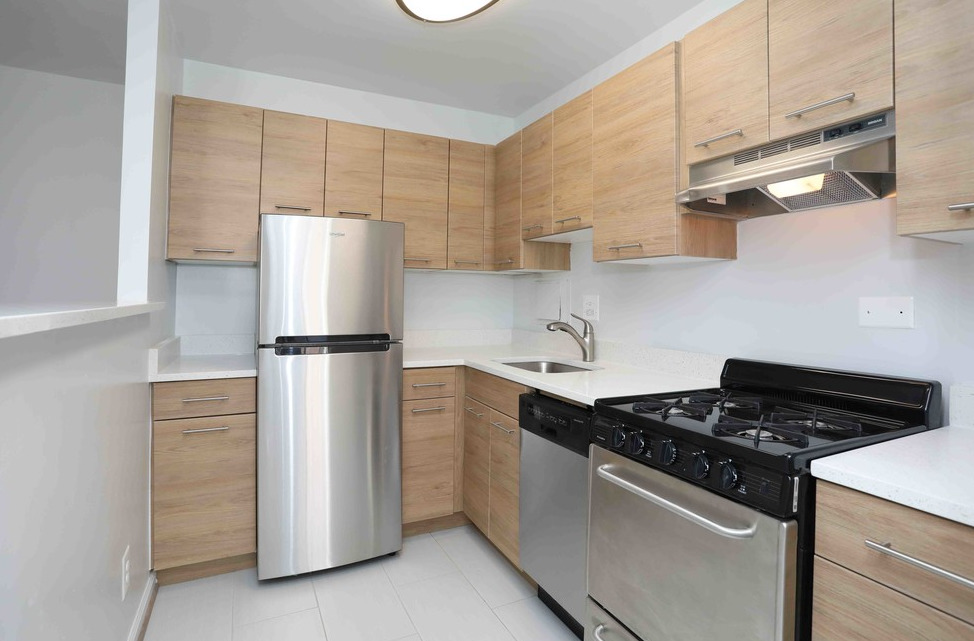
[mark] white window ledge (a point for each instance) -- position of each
(17, 321)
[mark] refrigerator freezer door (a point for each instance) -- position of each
(329, 277)
(329, 459)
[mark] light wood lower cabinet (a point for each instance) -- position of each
(476, 462)
(505, 452)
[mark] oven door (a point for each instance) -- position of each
(673, 561)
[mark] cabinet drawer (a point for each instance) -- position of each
(849, 607)
(187, 399)
(428, 441)
(493, 391)
(846, 519)
(429, 382)
(204, 491)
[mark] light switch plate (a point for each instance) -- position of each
(590, 307)
(890, 311)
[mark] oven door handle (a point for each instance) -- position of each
(605, 472)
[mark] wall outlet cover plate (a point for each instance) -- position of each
(888, 311)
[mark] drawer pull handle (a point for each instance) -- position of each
(345, 212)
(474, 412)
(961, 207)
(509, 261)
(212, 250)
(798, 113)
(729, 134)
(887, 549)
(530, 227)
(565, 220)
(294, 207)
(626, 246)
(429, 409)
(597, 632)
(206, 398)
(466, 262)
(207, 429)
(418, 260)
(499, 426)
(429, 384)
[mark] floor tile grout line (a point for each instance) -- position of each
(279, 616)
(395, 590)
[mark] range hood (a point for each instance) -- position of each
(848, 163)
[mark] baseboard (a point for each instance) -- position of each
(141, 621)
(456, 519)
(206, 569)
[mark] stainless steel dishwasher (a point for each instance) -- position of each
(554, 502)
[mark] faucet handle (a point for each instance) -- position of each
(587, 327)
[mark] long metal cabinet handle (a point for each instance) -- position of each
(429, 409)
(693, 517)
(294, 207)
(429, 384)
(626, 246)
(345, 212)
(474, 412)
(729, 134)
(466, 262)
(212, 250)
(886, 548)
(597, 632)
(509, 261)
(565, 220)
(798, 113)
(530, 227)
(961, 207)
(499, 426)
(206, 398)
(419, 260)
(207, 429)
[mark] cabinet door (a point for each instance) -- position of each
(427, 458)
(505, 453)
(292, 169)
(821, 52)
(465, 243)
(536, 193)
(635, 161)
(476, 462)
(725, 83)
(214, 180)
(415, 186)
(572, 165)
(934, 116)
(353, 171)
(204, 490)
(490, 210)
(507, 203)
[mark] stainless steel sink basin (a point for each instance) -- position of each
(549, 367)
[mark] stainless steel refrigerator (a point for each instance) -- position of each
(329, 381)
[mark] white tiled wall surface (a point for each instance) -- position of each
(446, 586)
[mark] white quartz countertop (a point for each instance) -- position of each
(609, 379)
(196, 368)
(927, 471)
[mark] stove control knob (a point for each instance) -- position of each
(701, 465)
(728, 476)
(636, 444)
(618, 437)
(667, 452)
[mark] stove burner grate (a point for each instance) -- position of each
(758, 431)
(818, 423)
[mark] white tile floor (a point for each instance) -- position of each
(449, 586)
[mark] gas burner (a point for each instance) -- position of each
(649, 406)
(664, 408)
(760, 434)
(726, 400)
(757, 431)
(817, 423)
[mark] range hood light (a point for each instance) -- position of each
(798, 186)
(443, 10)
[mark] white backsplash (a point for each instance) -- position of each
(456, 337)
(962, 405)
(205, 344)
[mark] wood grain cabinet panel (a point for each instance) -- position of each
(468, 180)
(572, 187)
(188, 399)
(536, 186)
(476, 462)
(507, 235)
(494, 391)
(428, 382)
(503, 517)
(292, 170)
(725, 83)
(204, 490)
(934, 117)
(214, 181)
(427, 458)
(821, 51)
(353, 171)
(415, 188)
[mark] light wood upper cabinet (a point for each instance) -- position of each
(476, 462)
(505, 453)
(725, 83)
(353, 171)
(292, 170)
(415, 187)
(572, 186)
(934, 117)
(214, 180)
(490, 209)
(536, 191)
(507, 235)
(468, 180)
(821, 52)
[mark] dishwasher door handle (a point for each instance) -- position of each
(604, 471)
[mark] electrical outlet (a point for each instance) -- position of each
(126, 573)
(590, 307)
(891, 311)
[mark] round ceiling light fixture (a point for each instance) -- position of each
(443, 10)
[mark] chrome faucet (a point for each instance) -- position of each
(585, 340)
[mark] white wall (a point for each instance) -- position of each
(60, 156)
(792, 296)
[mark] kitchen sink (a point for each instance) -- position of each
(548, 367)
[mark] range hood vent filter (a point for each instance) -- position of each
(839, 188)
(775, 148)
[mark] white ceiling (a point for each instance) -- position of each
(502, 61)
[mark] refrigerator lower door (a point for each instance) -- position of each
(329, 464)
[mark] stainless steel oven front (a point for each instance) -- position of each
(674, 562)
